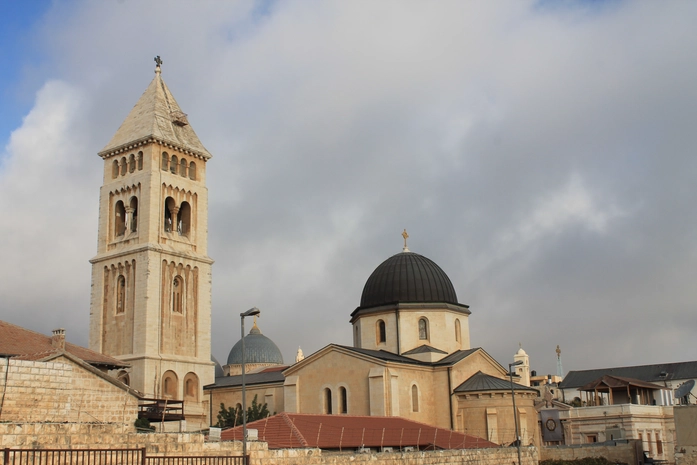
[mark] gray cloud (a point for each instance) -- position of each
(541, 156)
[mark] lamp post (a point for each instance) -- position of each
(251, 312)
(515, 411)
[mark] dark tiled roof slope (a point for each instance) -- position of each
(650, 373)
(391, 357)
(295, 430)
(483, 382)
(266, 376)
(19, 342)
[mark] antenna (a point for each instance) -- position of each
(684, 390)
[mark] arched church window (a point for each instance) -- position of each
(133, 216)
(382, 336)
(120, 294)
(131, 163)
(192, 171)
(191, 387)
(175, 164)
(184, 219)
(165, 161)
(124, 377)
(168, 220)
(458, 331)
(327, 401)
(177, 294)
(343, 401)
(119, 219)
(140, 161)
(414, 398)
(183, 165)
(124, 166)
(423, 329)
(169, 385)
(115, 169)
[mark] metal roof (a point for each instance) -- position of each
(650, 373)
(424, 349)
(391, 357)
(250, 379)
(483, 382)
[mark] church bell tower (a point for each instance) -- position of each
(151, 278)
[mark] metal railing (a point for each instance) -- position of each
(109, 457)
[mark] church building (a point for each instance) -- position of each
(151, 293)
(411, 357)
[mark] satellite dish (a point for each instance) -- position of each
(685, 388)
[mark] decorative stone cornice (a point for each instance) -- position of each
(143, 141)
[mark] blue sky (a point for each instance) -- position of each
(543, 157)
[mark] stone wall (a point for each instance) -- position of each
(615, 451)
(102, 436)
(686, 434)
(62, 391)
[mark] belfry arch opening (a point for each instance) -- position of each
(119, 219)
(132, 215)
(170, 206)
(184, 219)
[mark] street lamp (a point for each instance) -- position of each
(515, 411)
(251, 312)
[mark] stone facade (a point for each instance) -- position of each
(63, 391)
(620, 452)
(685, 434)
(151, 278)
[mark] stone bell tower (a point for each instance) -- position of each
(151, 278)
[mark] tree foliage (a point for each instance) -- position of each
(231, 416)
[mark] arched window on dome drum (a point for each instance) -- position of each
(423, 329)
(174, 165)
(327, 401)
(177, 295)
(414, 398)
(165, 161)
(458, 330)
(192, 171)
(120, 294)
(132, 163)
(343, 401)
(381, 333)
(115, 169)
(119, 219)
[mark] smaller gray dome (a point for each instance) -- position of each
(259, 348)
(219, 373)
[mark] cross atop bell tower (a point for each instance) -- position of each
(150, 303)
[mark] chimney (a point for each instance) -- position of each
(58, 338)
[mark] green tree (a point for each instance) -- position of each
(231, 417)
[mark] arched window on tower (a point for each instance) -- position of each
(131, 163)
(381, 333)
(192, 171)
(169, 385)
(174, 165)
(343, 401)
(458, 331)
(120, 294)
(414, 398)
(124, 166)
(184, 219)
(191, 387)
(423, 329)
(178, 295)
(183, 165)
(115, 169)
(140, 161)
(165, 161)
(168, 220)
(119, 219)
(133, 227)
(327, 401)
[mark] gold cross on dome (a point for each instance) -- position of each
(405, 236)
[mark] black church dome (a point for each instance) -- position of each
(407, 277)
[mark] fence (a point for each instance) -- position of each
(109, 457)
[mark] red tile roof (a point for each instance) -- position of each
(297, 430)
(19, 342)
